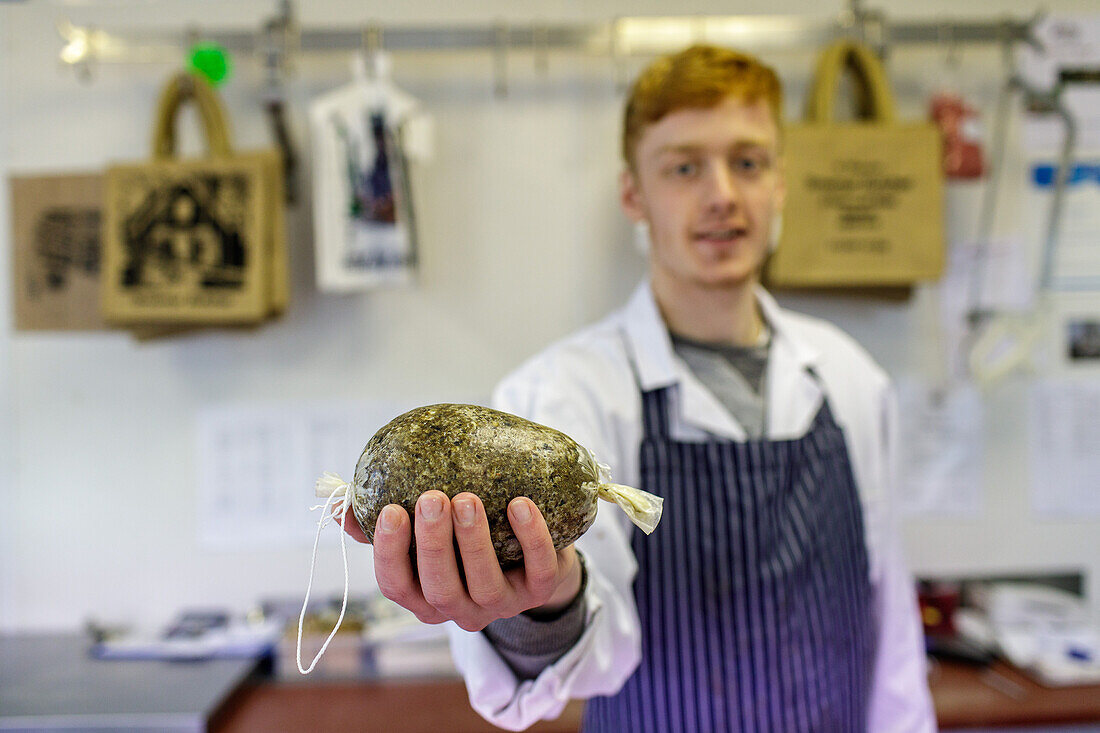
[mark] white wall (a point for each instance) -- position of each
(8, 520)
(521, 243)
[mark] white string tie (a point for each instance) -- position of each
(336, 489)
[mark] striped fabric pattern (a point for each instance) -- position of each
(753, 591)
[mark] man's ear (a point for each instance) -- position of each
(630, 196)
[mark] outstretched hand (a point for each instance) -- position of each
(434, 591)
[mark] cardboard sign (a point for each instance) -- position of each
(864, 206)
(56, 237)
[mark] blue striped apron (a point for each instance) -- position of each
(753, 592)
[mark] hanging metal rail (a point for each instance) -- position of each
(626, 36)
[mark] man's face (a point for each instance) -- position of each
(708, 182)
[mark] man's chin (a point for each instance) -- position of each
(729, 277)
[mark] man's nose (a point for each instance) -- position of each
(722, 192)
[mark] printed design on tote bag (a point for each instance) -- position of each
(66, 242)
(187, 235)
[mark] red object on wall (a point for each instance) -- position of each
(962, 146)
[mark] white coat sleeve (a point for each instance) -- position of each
(609, 649)
(900, 700)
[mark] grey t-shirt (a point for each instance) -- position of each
(735, 375)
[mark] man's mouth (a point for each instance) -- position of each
(720, 235)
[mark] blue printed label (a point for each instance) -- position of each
(1043, 174)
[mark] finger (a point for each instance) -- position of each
(352, 527)
(484, 579)
(393, 566)
(540, 560)
(440, 581)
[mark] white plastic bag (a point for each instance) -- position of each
(363, 136)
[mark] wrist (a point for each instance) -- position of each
(567, 593)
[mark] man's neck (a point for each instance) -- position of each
(726, 314)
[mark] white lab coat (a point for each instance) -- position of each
(585, 387)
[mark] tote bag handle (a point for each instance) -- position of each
(181, 88)
(874, 99)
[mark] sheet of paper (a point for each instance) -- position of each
(1076, 264)
(1065, 448)
(257, 466)
(994, 277)
(941, 449)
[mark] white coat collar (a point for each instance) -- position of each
(793, 394)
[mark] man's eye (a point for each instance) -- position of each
(750, 163)
(685, 169)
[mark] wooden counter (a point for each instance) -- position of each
(965, 697)
(969, 697)
(49, 682)
(415, 706)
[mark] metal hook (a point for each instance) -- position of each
(79, 49)
(282, 38)
(879, 36)
(192, 35)
(540, 47)
(950, 40)
(500, 60)
(1029, 31)
(851, 20)
(76, 47)
(83, 70)
(371, 40)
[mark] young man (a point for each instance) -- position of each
(773, 596)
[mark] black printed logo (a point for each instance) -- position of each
(188, 235)
(66, 241)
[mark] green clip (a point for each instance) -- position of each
(211, 61)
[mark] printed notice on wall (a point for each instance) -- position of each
(1064, 438)
(257, 466)
(941, 449)
(1075, 266)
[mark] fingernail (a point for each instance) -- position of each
(520, 511)
(464, 512)
(388, 519)
(430, 507)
